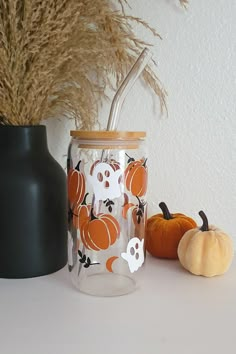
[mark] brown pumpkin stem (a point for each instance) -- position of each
(167, 215)
(205, 225)
(78, 165)
(84, 200)
(92, 216)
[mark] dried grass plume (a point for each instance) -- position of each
(58, 57)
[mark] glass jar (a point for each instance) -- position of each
(107, 185)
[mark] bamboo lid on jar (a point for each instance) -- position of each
(107, 135)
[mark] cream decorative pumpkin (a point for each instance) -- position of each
(206, 251)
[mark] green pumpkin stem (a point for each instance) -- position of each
(78, 165)
(167, 215)
(205, 226)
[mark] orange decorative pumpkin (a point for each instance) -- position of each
(164, 232)
(81, 213)
(136, 177)
(99, 232)
(76, 185)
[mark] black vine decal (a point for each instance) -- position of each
(86, 261)
(140, 210)
(109, 204)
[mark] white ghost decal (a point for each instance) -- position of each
(134, 254)
(105, 182)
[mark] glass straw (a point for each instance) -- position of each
(126, 86)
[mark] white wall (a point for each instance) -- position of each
(192, 152)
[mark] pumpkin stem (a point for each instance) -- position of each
(167, 215)
(84, 200)
(145, 163)
(77, 166)
(205, 226)
(92, 216)
(130, 159)
(128, 156)
(139, 201)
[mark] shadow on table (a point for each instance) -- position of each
(166, 265)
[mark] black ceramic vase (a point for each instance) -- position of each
(33, 205)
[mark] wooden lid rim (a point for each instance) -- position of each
(106, 135)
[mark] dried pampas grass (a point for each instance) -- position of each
(184, 2)
(58, 57)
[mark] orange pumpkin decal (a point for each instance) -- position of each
(137, 211)
(99, 232)
(126, 208)
(109, 263)
(114, 164)
(76, 185)
(136, 177)
(81, 213)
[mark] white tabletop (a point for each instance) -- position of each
(172, 312)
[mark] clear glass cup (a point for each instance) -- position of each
(107, 185)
